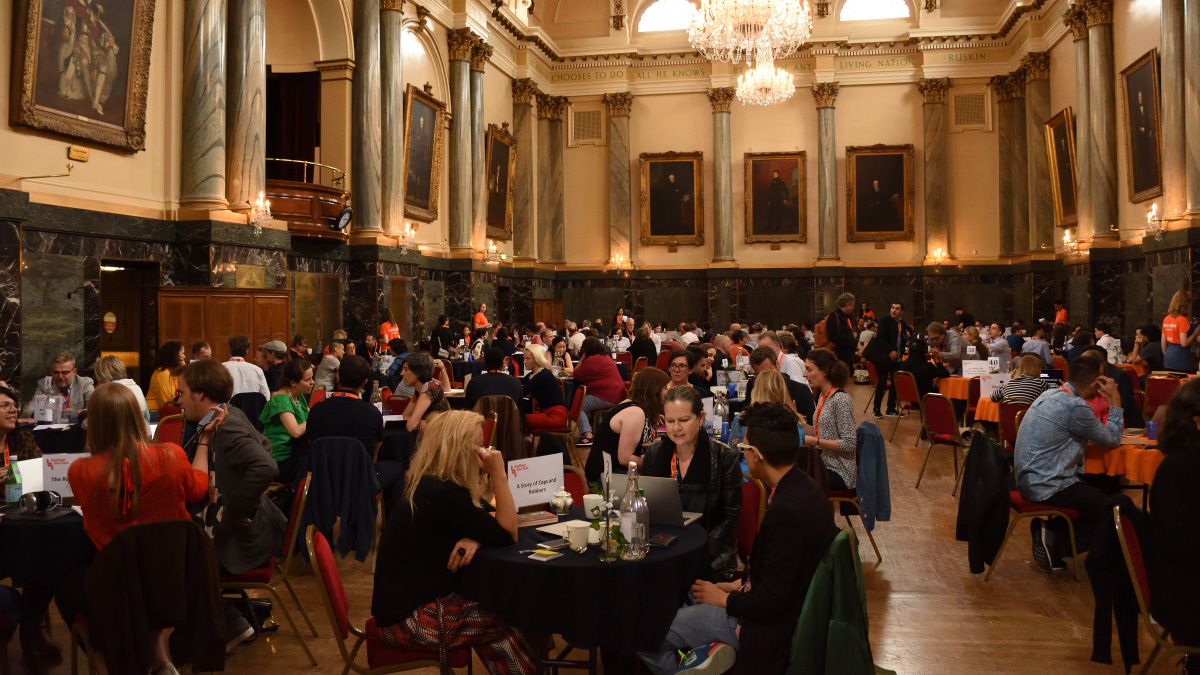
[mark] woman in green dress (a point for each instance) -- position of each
(285, 417)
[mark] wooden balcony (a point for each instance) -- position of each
(309, 209)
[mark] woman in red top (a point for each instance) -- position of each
(598, 371)
(129, 480)
(1175, 338)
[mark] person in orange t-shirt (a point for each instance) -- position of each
(480, 320)
(1060, 312)
(388, 330)
(1175, 338)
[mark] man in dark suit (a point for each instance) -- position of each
(763, 359)
(839, 329)
(495, 382)
(884, 353)
(760, 614)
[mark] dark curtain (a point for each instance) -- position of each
(293, 123)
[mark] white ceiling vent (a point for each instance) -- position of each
(970, 109)
(587, 124)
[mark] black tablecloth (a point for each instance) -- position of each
(623, 605)
(463, 368)
(57, 441)
(41, 551)
(398, 444)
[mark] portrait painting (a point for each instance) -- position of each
(1060, 146)
(672, 198)
(501, 163)
(1143, 149)
(424, 121)
(81, 68)
(880, 193)
(775, 197)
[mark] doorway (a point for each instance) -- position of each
(125, 325)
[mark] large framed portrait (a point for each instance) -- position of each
(672, 198)
(501, 163)
(1060, 146)
(880, 193)
(424, 125)
(1143, 149)
(81, 67)
(776, 205)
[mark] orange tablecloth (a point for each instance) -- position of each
(954, 387)
(987, 410)
(1135, 462)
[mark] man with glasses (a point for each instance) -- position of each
(66, 382)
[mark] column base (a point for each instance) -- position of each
(827, 261)
(208, 211)
(461, 252)
(723, 262)
(371, 238)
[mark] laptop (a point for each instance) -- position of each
(1054, 375)
(662, 496)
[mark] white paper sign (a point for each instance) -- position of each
(1114, 351)
(994, 364)
(707, 405)
(536, 479)
(989, 383)
(971, 351)
(31, 475)
(975, 368)
(54, 472)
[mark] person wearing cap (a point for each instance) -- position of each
(275, 353)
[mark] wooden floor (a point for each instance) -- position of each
(928, 614)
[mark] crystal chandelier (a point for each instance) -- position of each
(764, 84)
(732, 30)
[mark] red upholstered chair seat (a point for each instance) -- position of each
(946, 439)
(259, 575)
(1022, 505)
(380, 654)
(842, 494)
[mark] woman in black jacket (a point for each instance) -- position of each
(708, 472)
(643, 346)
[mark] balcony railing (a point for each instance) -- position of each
(310, 205)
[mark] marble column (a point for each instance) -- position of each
(1191, 103)
(461, 43)
(1077, 22)
(365, 129)
(551, 241)
(620, 230)
(937, 223)
(1172, 83)
(524, 230)
(720, 98)
(202, 152)
(479, 56)
(1037, 110)
(246, 136)
(1102, 108)
(825, 94)
(1020, 164)
(391, 72)
(1004, 134)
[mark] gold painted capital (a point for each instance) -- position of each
(1036, 66)
(825, 94)
(822, 8)
(551, 107)
(480, 54)
(721, 97)
(523, 90)
(1016, 83)
(1096, 12)
(999, 84)
(1075, 19)
(619, 103)
(391, 5)
(933, 89)
(461, 43)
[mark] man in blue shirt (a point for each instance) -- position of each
(1038, 345)
(1016, 335)
(1048, 458)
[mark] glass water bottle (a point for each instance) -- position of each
(635, 518)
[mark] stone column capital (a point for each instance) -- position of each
(1036, 66)
(523, 90)
(1016, 83)
(391, 5)
(551, 107)
(720, 98)
(933, 89)
(1076, 20)
(619, 103)
(999, 85)
(461, 43)
(822, 8)
(480, 54)
(1096, 11)
(422, 18)
(825, 94)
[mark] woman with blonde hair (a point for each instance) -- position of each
(770, 387)
(1175, 338)
(432, 534)
(1026, 383)
(972, 339)
(112, 369)
(540, 384)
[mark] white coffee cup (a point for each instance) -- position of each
(577, 537)
(592, 506)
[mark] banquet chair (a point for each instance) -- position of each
(381, 657)
(754, 501)
(445, 365)
(575, 483)
(874, 376)
(664, 360)
(908, 397)
(941, 425)
(489, 429)
(169, 429)
(385, 392)
(1131, 549)
(318, 395)
(1131, 370)
(169, 409)
(627, 359)
(846, 503)
(1021, 509)
(505, 426)
(638, 365)
(251, 403)
(972, 400)
(268, 576)
(1159, 390)
(1008, 423)
(397, 403)
(1059, 363)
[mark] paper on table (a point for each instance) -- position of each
(43, 427)
(560, 529)
(975, 368)
(31, 475)
(387, 419)
(708, 406)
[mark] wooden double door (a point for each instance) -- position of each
(192, 314)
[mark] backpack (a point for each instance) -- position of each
(820, 336)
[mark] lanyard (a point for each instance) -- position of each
(343, 393)
(237, 358)
(817, 415)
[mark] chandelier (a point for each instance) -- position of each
(732, 30)
(764, 84)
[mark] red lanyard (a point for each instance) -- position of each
(343, 393)
(237, 358)
(817, 415)
(6, 461)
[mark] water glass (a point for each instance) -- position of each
(577, 537)
(1152, 430)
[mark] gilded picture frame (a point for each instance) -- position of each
(501, 167)
(672, 198)
(1143, 137)
(82, 71)
(423, 150)
(1060, 150)
(879, 192)
(776, 197)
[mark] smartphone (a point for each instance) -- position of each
(662, 540)
(554, 545)
(206, 420)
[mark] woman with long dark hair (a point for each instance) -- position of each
(833, 431)
(171, 358)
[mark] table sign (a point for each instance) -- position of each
(388, 419)
(31, 475)
(535, 480)
(1114, 351)
(707, 403)
(971, 350)
(975, 369)
(992, 381)
(54, 472)
(994, 364)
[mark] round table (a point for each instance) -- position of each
(463, 368)
(398, 444)
(58, 441)
(955, 387)
(987, 410)
(40, 552)
(1136, 461)
(626, 605)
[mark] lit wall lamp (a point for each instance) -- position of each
(409, 238)
(1070, 245)
(1154, 224)
(620, 262)
(492, 254)
(260, 213)
(938, 256)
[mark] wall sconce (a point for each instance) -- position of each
(1154, 224)
(620, 262)
(409, 238)
(1070, 246)
(492, 254)
(260, 213)
(938, 256)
